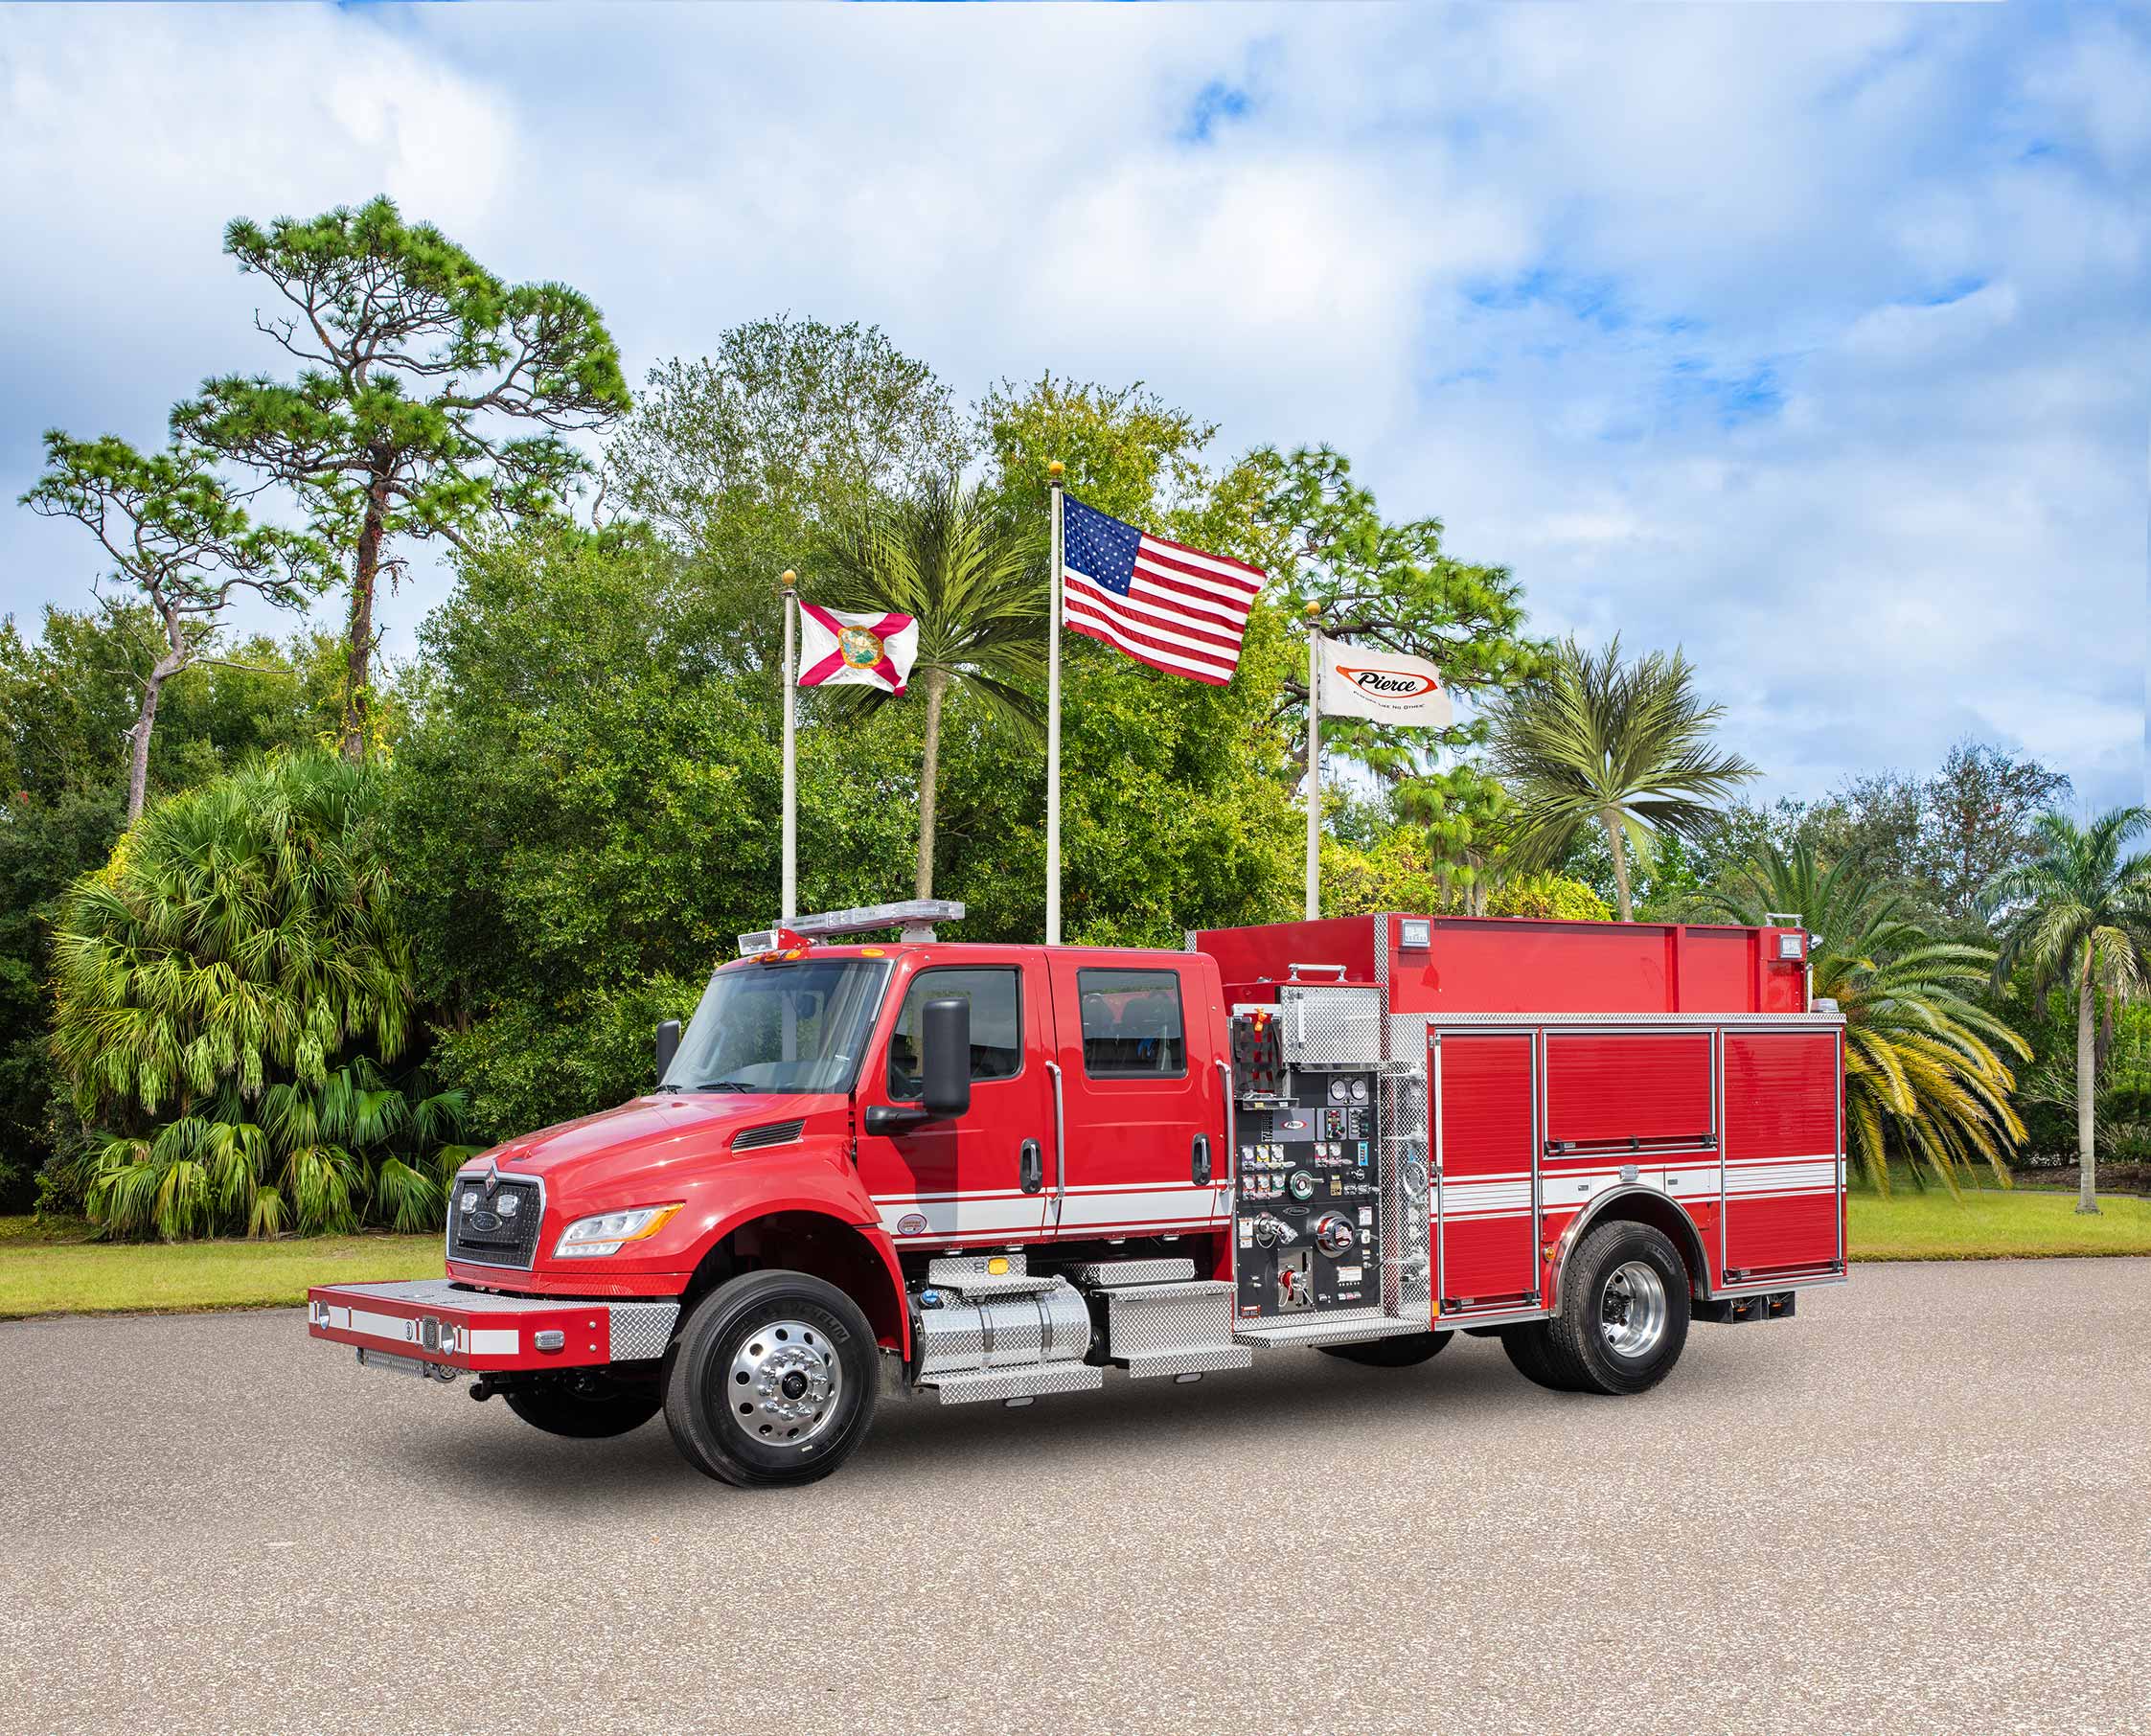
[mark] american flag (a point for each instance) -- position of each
(1164, 603)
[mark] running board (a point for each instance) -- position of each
(1343, 1326)
(1016, 1386)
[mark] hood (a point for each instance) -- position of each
(649, 1133)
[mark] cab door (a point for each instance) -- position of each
(1143, 1095)
(989, 1178)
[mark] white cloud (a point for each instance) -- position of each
(1812, 340)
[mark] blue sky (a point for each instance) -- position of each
(1814, 340)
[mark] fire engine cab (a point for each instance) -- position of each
(880, 1168)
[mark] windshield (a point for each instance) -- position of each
(782, 1027)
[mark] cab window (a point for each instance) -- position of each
(1132, 1026)
(996, 1026)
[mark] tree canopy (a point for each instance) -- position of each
(417, 367)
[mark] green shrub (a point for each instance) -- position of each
(231, 990)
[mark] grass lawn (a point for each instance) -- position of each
(49, 1272)
(54, 1270)
(1988, 1224)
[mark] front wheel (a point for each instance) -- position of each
(772, 1382)
(586, 1404)
(1407, 1350)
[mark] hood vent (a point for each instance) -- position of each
(776, 1132)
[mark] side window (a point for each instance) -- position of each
(996, 1026)
(1132, 1026)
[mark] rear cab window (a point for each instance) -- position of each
(1133, 1026)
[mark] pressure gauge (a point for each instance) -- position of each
(1358, 1090)
(1338, 1090)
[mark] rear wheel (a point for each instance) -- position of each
(772, 1382)
(1526, 1345)
(1624, 1313)
(585, 1404)
(1407, 1350)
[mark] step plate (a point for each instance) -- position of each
(1189, 1362)
(1108, 1274)
(1000, 1384)
(1344, 1326)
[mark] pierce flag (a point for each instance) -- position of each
(1386, 686)
(839, 648)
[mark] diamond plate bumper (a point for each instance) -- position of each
(441, 1323)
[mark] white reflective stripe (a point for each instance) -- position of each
(1811, 1175)
(965, 1214)
(1164, 1205)
(395, 1328)
(492, 1342)
(1459, 1198)
(1161, 1205)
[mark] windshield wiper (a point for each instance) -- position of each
(726, 1084)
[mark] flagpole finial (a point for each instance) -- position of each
(1054, 469)
(1314, 610)
(790, 579)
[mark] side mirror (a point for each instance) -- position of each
(945, 1058)
(668, 1046)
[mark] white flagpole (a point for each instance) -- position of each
(789, 903)
(1053, 727)
(1313, 763)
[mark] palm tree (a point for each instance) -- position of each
(2079, 914)
(227, 991)
(1921, 1067)
(1623, 746)
(981, 604)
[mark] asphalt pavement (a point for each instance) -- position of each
(1924, 1505)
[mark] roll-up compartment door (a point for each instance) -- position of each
(1484, 1085)
(1628, 1108)
(1783, 1153)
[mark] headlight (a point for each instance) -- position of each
(609, 1231)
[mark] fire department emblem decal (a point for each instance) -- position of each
(911, 1223)
(860, 646)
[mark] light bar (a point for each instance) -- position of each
(914, 915)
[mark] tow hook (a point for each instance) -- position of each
(482, 1387)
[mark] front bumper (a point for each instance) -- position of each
(434, 1322)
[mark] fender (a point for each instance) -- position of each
(1693, 1251)
(839, 1211)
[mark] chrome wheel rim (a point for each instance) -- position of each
(1632, 1310)
(783, 1384)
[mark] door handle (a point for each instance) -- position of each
(1200, 1165)
(1030, 1166)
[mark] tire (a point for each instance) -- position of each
(587, 1405)
(1405, 1351)
(791, 1343)
(1526, 1347)
(1624, 1313)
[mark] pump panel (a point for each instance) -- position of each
(1308, 1211)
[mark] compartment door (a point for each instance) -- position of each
(1486, 1087)
(1784, 1153)
(1627, 1109)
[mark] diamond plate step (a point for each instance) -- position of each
(972, 1276)
(1107, 1274)
(1189, 1362)
(1001, 1385)
(1341, 1326)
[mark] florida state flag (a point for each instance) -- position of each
(837, 646)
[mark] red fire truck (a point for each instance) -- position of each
(909, 1168)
